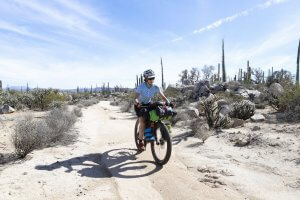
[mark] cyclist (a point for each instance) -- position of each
(144, 94)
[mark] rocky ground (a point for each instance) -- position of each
(259, 160)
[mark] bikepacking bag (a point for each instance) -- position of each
(153, 116)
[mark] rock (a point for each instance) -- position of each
(6, 109)
(225, 109)
(243, 141)
(248, 94)
(222, 102)
(192, 112)
(187, 88)
(276, 89)
(256, 128)
(202, 89)
(253, 94)
(237, 122)
(218, 88)
(258, 118)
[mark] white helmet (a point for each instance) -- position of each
(149, 74)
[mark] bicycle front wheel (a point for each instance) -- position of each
(161, 148)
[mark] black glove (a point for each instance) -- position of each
(170, 104)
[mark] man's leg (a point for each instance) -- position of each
(142, 127)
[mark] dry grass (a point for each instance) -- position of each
(31, 133)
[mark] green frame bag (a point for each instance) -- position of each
(153, 116)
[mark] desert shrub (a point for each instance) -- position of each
(59, 122)
(88, 102)
(242, 110)
(214, 118)
(9, 97)
(114, 103)
(44, 97)
(260, 106)
(230, 97)
(282, 77)
(30, 133)
(76, 97)
(77, 111)
(56, 104)
(289, 103)
(26, 136)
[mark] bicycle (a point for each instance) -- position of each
(156, 115)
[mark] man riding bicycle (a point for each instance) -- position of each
(144, 94)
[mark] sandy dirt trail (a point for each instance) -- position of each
(103, 164)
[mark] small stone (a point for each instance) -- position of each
(24, 173)
(258, 118)
(256, 128)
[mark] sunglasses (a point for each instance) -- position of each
(151, 79)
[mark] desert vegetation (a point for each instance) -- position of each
(34, 133)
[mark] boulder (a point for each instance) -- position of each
(276, 89)
(225, 109)
(218, 88)
(258, 118)
(6, 109)
(202, 89)
(249, 94)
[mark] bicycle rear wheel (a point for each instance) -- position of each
(136, 133)
(161, 148)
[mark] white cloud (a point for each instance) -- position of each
(270, 3)
(220, 22)
(61, 18)
(21, 30)
(83, 10)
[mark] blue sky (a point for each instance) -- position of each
(70, 43)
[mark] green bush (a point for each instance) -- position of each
(44, 97)
(289, 103)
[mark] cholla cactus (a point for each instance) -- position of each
(243, 110)
(215, 119)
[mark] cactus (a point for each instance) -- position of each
(218, 71)
(0, 85)
(297, 71)
(91, 91)
(163, 85)
(248, 73)
(108, 89)
(137, 80)
(223, 63)
(77, 89)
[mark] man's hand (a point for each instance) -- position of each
(137, 104)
